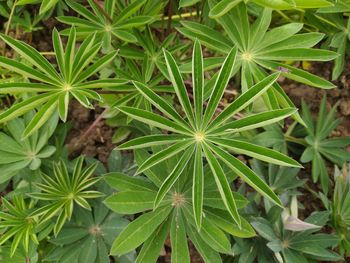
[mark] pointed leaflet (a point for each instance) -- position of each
(33, 56)
(256, 151)
(222, 184)
(138, 231)
(178, 238)
(152, 247)
(179, 86)
(222, 8)
(160, 103)
(164, 155)
(256, 120)
(152, 140)
(220, 85)
(69, 54)
(174, 175)
(59, 52)
(154, 120)
(41, 116)
(198, 187)
(244, 100)
(246, 174)
(198, 82)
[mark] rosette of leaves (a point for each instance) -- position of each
(53, 89)
(64, 190)
(17, 153)
(201, 135)
(289, 246)
(261, 50)
(88, 236)
(337, 28)
(339, 207)
(108, 21)
(320, 147)
(17, 223)
(174, 215)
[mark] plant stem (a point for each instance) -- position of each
(10, 17)
(170, 13)
(88, 130)
(289, 138)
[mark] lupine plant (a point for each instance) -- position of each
(166, 131)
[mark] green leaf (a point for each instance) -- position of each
(153, 119)
(258, 152)
(244, 100)
(152, 140)
(178, 238)
(160, 103)
(198, 187)
(298, 54)
(246, 174)
(220, 85)
(222, 184)
(179, 87)
(164, 155)
(138, 231)
(41, 117)
(152, 247)
(207, 253)
(256, 121)
(173, 176)
(222, 8)
(221, 219)
(123, 182)
(198, 82)
(131, 202)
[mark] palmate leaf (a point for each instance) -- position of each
(91, 233)
(319, 146)
(205, 136)
(17, 154)
(260, 50)
(118, 25)
(55, 87)
(63, 191)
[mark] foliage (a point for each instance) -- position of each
(55, 88)
(65, 190)
(93, 233)
(320, 147)
(261, 50)
(17, 153)
(174, 215)
(196, 98)
(105, 22)
(336, 27)
(291, 246)
(204, 137)
(339, 207)
(18, 222)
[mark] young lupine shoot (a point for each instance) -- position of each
(64, 190)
